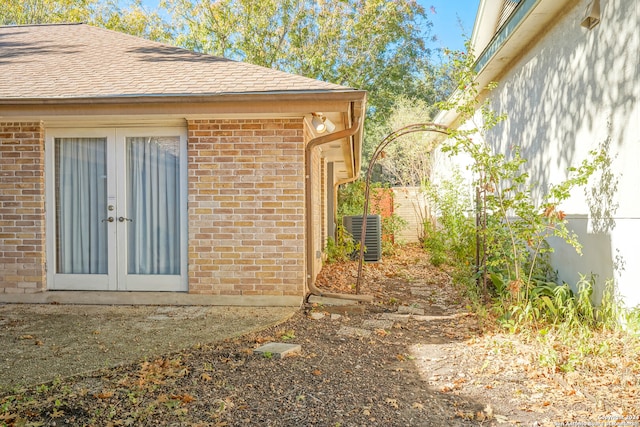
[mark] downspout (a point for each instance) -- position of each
(317, 142)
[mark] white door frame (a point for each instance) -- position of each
(117, 278)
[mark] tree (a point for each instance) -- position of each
(407, 161)
(375, 45)
(134, 19)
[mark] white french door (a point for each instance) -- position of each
(116, 209)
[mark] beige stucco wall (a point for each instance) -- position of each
(571, 91)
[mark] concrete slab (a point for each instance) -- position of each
(402, 318)
(430, 318)
(150, 298)
(278, 349)
(315, 299)
(316, 315)
(345, 309)
(40, 342)
(377, 324)
(354, 332)
(406, 309)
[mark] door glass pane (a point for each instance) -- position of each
(81, 197)
(153, 205)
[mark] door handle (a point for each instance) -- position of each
(123, 219)
(110, 219)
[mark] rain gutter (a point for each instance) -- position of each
(314, 143)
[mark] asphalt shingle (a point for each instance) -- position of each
(80, 61)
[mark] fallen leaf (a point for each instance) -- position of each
(184, 398)
(104, 395)
(57, 413)
(316, 372)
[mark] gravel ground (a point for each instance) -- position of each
(413, 357)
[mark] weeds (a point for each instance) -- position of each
(342, 247)
(519, 288)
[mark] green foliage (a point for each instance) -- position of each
(134, 19)
(351, 198)
(342, 247)
(375, 45)
(407, 161)
(351, 202)
(515, 224)
(434, 243)
(449, 234)
(391, 226)
(554, 304)
(514, 233)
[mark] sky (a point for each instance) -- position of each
(447, 17)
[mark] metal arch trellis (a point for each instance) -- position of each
(412, 128)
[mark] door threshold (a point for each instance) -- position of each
(149, 298)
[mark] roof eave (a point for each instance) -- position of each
(517, 35)
(282, 96)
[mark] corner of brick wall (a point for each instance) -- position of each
(22, 220)
(246, 207)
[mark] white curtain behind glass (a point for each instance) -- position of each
(81, 196)
(153, 203)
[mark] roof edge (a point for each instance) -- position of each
(515, 37)
(346, 95)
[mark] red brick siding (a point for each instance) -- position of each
(246, 207)
(22, 242)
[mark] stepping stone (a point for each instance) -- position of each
(428, 318)
(421, 292)
(277, 349)
(377, 324)
(345, 309)
(315, 299)
(402, 318)
(316, 315)
(354, 332)
(405, 309)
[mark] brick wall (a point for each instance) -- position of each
(246, 207)
(22, 243)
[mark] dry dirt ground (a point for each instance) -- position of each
(413, 357)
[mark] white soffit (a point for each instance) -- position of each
(530, 20)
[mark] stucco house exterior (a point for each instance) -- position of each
(567, 74)
(137, 172)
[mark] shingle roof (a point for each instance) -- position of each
(80, 61)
